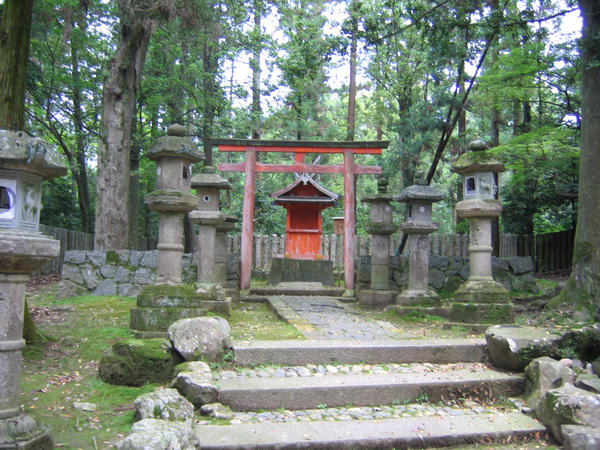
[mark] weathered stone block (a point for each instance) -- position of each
(521, 264)
(568, 405)
(74, 257)
(436, 278)
(482, 312)
(105, 287)
(194, 381)
(165, 404)
(157, 434)
(291, 270)
(135, 362)
(512, 347)
(201, 338)
(577, 437)
(543, 374)
(159, 319)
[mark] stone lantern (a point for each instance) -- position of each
(174, 155)
(418, 225)
(211, 258)
(480, 299)
(24, 163)
(380, 227)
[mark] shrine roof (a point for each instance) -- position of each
(233, 145)
(282, 194)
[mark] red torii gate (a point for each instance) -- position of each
(300, 148)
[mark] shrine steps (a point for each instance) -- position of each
(422, 432)
(305, 289)
(365, 389)
(295, 352)
(317, 394)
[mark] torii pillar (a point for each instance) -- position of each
(299, 148)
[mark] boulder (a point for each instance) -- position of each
(156, 434)
(577, 437)
(520, 264)
(135, 362)
(166, 404)
(512, 347)
(201, 338)
(216, 411)
(588, 382)
(543, 374)
(568, 405)
(194, 381)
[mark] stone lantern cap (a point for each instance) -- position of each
(478, 159)
(176, 144)
(210, 179)
(419, 191)
(19, 151)
(382, 193)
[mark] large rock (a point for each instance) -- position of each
(135, 362)
(201, 338)
(568, 405)
(166, 404)
(521, 264)
(156, 434)
(512, 347)
(194, 381)
(543, 374)
(577, 437)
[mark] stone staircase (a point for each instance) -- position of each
(366, 394)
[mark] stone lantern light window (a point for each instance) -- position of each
(480, 185)
(7, 199)
(20, 199)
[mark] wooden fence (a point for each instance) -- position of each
(551, 252)
(265, 247)
(69, 240)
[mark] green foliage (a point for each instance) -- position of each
(540, 193)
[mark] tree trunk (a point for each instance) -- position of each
(119, 95)
(255, 64)
(351, 125)
(583, 286)
(14, 49)
(80, 170)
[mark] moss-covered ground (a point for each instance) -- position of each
(65, 369)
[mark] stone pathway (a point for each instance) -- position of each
(328, 318)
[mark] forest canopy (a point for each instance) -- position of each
(107, 78)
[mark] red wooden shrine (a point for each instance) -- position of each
(304, 200)
(251, 166)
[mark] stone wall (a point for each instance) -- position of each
(126, 272)
(123, 272)
(448, 273)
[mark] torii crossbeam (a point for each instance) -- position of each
(300, 148)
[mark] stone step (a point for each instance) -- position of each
(251, 394)
(419, 432)
(296, 352)
(298, 289)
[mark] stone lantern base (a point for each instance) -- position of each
(418, 297)
(482, 301)
(158, 306)
(23, 432)
(376, 298)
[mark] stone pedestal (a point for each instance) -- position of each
(380, 227)
(24, 163)
(418, 226)
(480, 299)
(212, 226)
(231, 286)
(167, 301)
